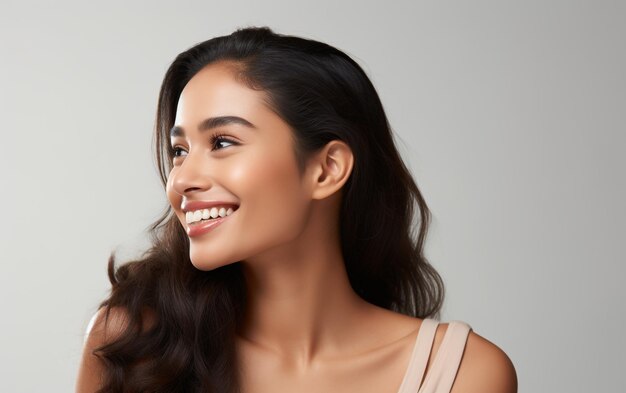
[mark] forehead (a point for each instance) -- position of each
(214, 91)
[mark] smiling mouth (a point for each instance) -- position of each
(201, 227)
(210, 219)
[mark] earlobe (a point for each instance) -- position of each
(333, 168)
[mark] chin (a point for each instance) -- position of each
(204, 265)
(201, 262)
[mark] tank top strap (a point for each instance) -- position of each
(419, 357)
(444, 367)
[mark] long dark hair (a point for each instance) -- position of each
(323, 95)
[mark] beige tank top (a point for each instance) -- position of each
(444, 367)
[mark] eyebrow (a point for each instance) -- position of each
(213, 122)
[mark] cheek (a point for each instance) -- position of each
(272, 195)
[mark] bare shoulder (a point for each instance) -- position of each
(104, 328)
(484, 367)
(100, 330)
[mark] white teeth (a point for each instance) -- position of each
(205, 214)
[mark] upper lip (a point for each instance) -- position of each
(197, 205)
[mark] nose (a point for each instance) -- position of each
(191, 175)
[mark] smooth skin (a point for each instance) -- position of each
(306, 330)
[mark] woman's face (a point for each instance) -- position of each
(252, 167)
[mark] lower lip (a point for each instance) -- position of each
(203, 227)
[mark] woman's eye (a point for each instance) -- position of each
(219, 138)
(215, 140)
(176, 150)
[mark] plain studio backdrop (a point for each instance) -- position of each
(511, 116)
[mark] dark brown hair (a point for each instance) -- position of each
(323, 95)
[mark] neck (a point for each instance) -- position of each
(300, 303)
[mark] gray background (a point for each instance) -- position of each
(510, 114)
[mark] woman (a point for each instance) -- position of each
(286, 260)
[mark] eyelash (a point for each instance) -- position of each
(217, 137)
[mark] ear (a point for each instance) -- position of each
(331, 169)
